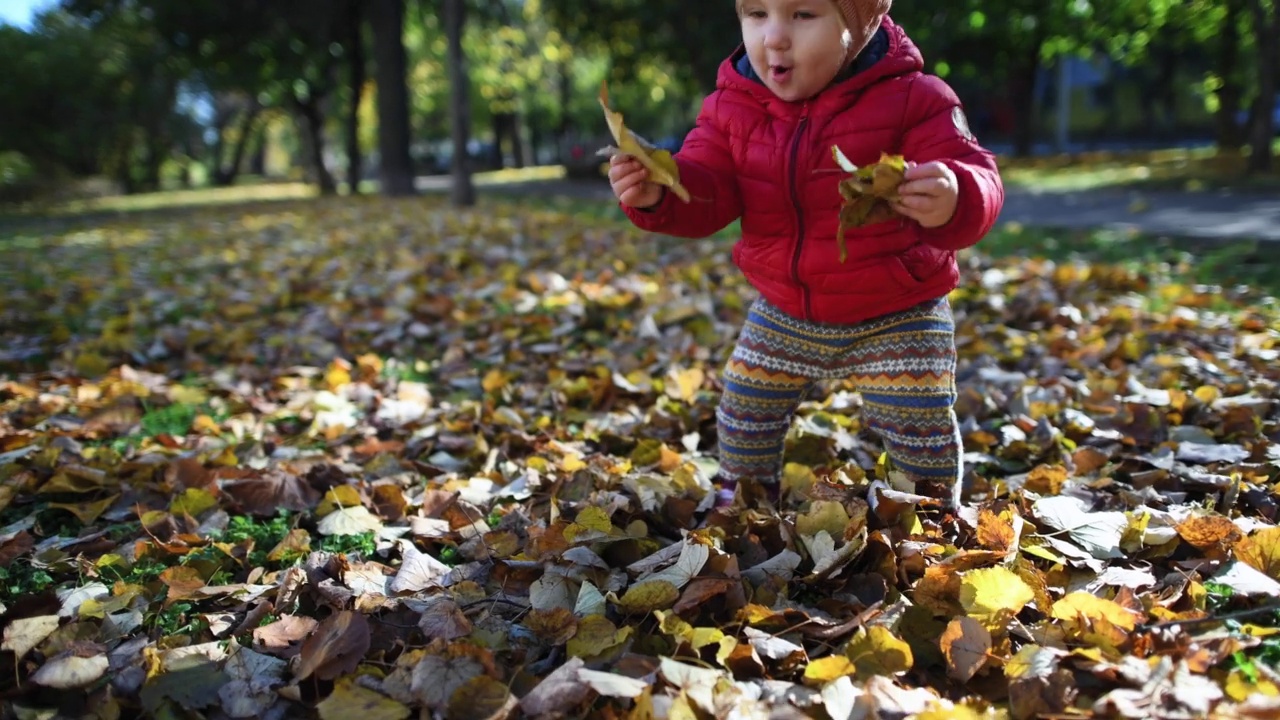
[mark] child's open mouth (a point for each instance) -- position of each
(779, 73)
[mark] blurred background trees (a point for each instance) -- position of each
(360, 95)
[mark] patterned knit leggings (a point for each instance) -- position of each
(903, 364)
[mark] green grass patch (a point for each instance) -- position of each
(1183, 261)
(1183, 169)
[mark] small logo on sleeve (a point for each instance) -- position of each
(962, 123)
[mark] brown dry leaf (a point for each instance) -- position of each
(264, 496)
(182, 581)
(480, 698)
(994, 532)
(867, 193)
(444, 620)
(558, 692)
(965, 643)
(939, 591)
(335, 648)
(554, 626)
(1047, 479)
(1206, 532)
(283, 637)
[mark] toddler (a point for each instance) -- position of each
(808, 75)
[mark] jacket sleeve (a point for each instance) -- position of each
(938, 130)
(707, 172)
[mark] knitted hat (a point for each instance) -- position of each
(862, 17)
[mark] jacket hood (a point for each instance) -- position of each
(899, 58)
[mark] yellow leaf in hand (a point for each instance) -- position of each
(661, 166)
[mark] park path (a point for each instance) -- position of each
(1206, 215)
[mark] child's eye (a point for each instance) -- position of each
(804, 15)
(758, 14)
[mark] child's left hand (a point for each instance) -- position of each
(928, 194)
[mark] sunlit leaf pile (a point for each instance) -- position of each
(378, 459)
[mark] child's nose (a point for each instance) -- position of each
(777, 36)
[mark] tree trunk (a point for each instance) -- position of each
(226, 176)
(313, 138)
(258, 160)
(464, 193)
(517, 141)
(1024, 102)
(566, 97)
(355, 56)
(394, 167)
(1267, 28)
(498, 123)
(1229, 137)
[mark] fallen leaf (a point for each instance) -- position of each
(480, 697)
(23, 634)
(335, 648)
(350, 700)
(648, 596)
(993, 596)
(876, 651)
(965, 644)
(68, 671)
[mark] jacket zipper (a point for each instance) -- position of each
(795, 204)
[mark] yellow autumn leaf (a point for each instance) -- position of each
(193, 502)
(1239, 687)
(992, 596)
(823, 515)
(876, 651)
(87, 512)
(1261, 551)
(337, 374)
(647, 596)
(1094, 620)
(572, 463)
(349, 700)
(939, 711)
(824, 670)
(592, 523)
(596, 635)
(683, 383)
(494, 380)
(342, 496)
(661, 166)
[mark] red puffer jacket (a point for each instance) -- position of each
(769, 162)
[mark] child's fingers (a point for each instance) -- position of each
(625, 169)
(932, 186)
(629, 181)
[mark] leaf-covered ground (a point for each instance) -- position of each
(377, 459)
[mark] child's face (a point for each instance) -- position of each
(796, 46)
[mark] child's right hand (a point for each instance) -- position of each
(630, 182)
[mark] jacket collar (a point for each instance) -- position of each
(890, 53)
